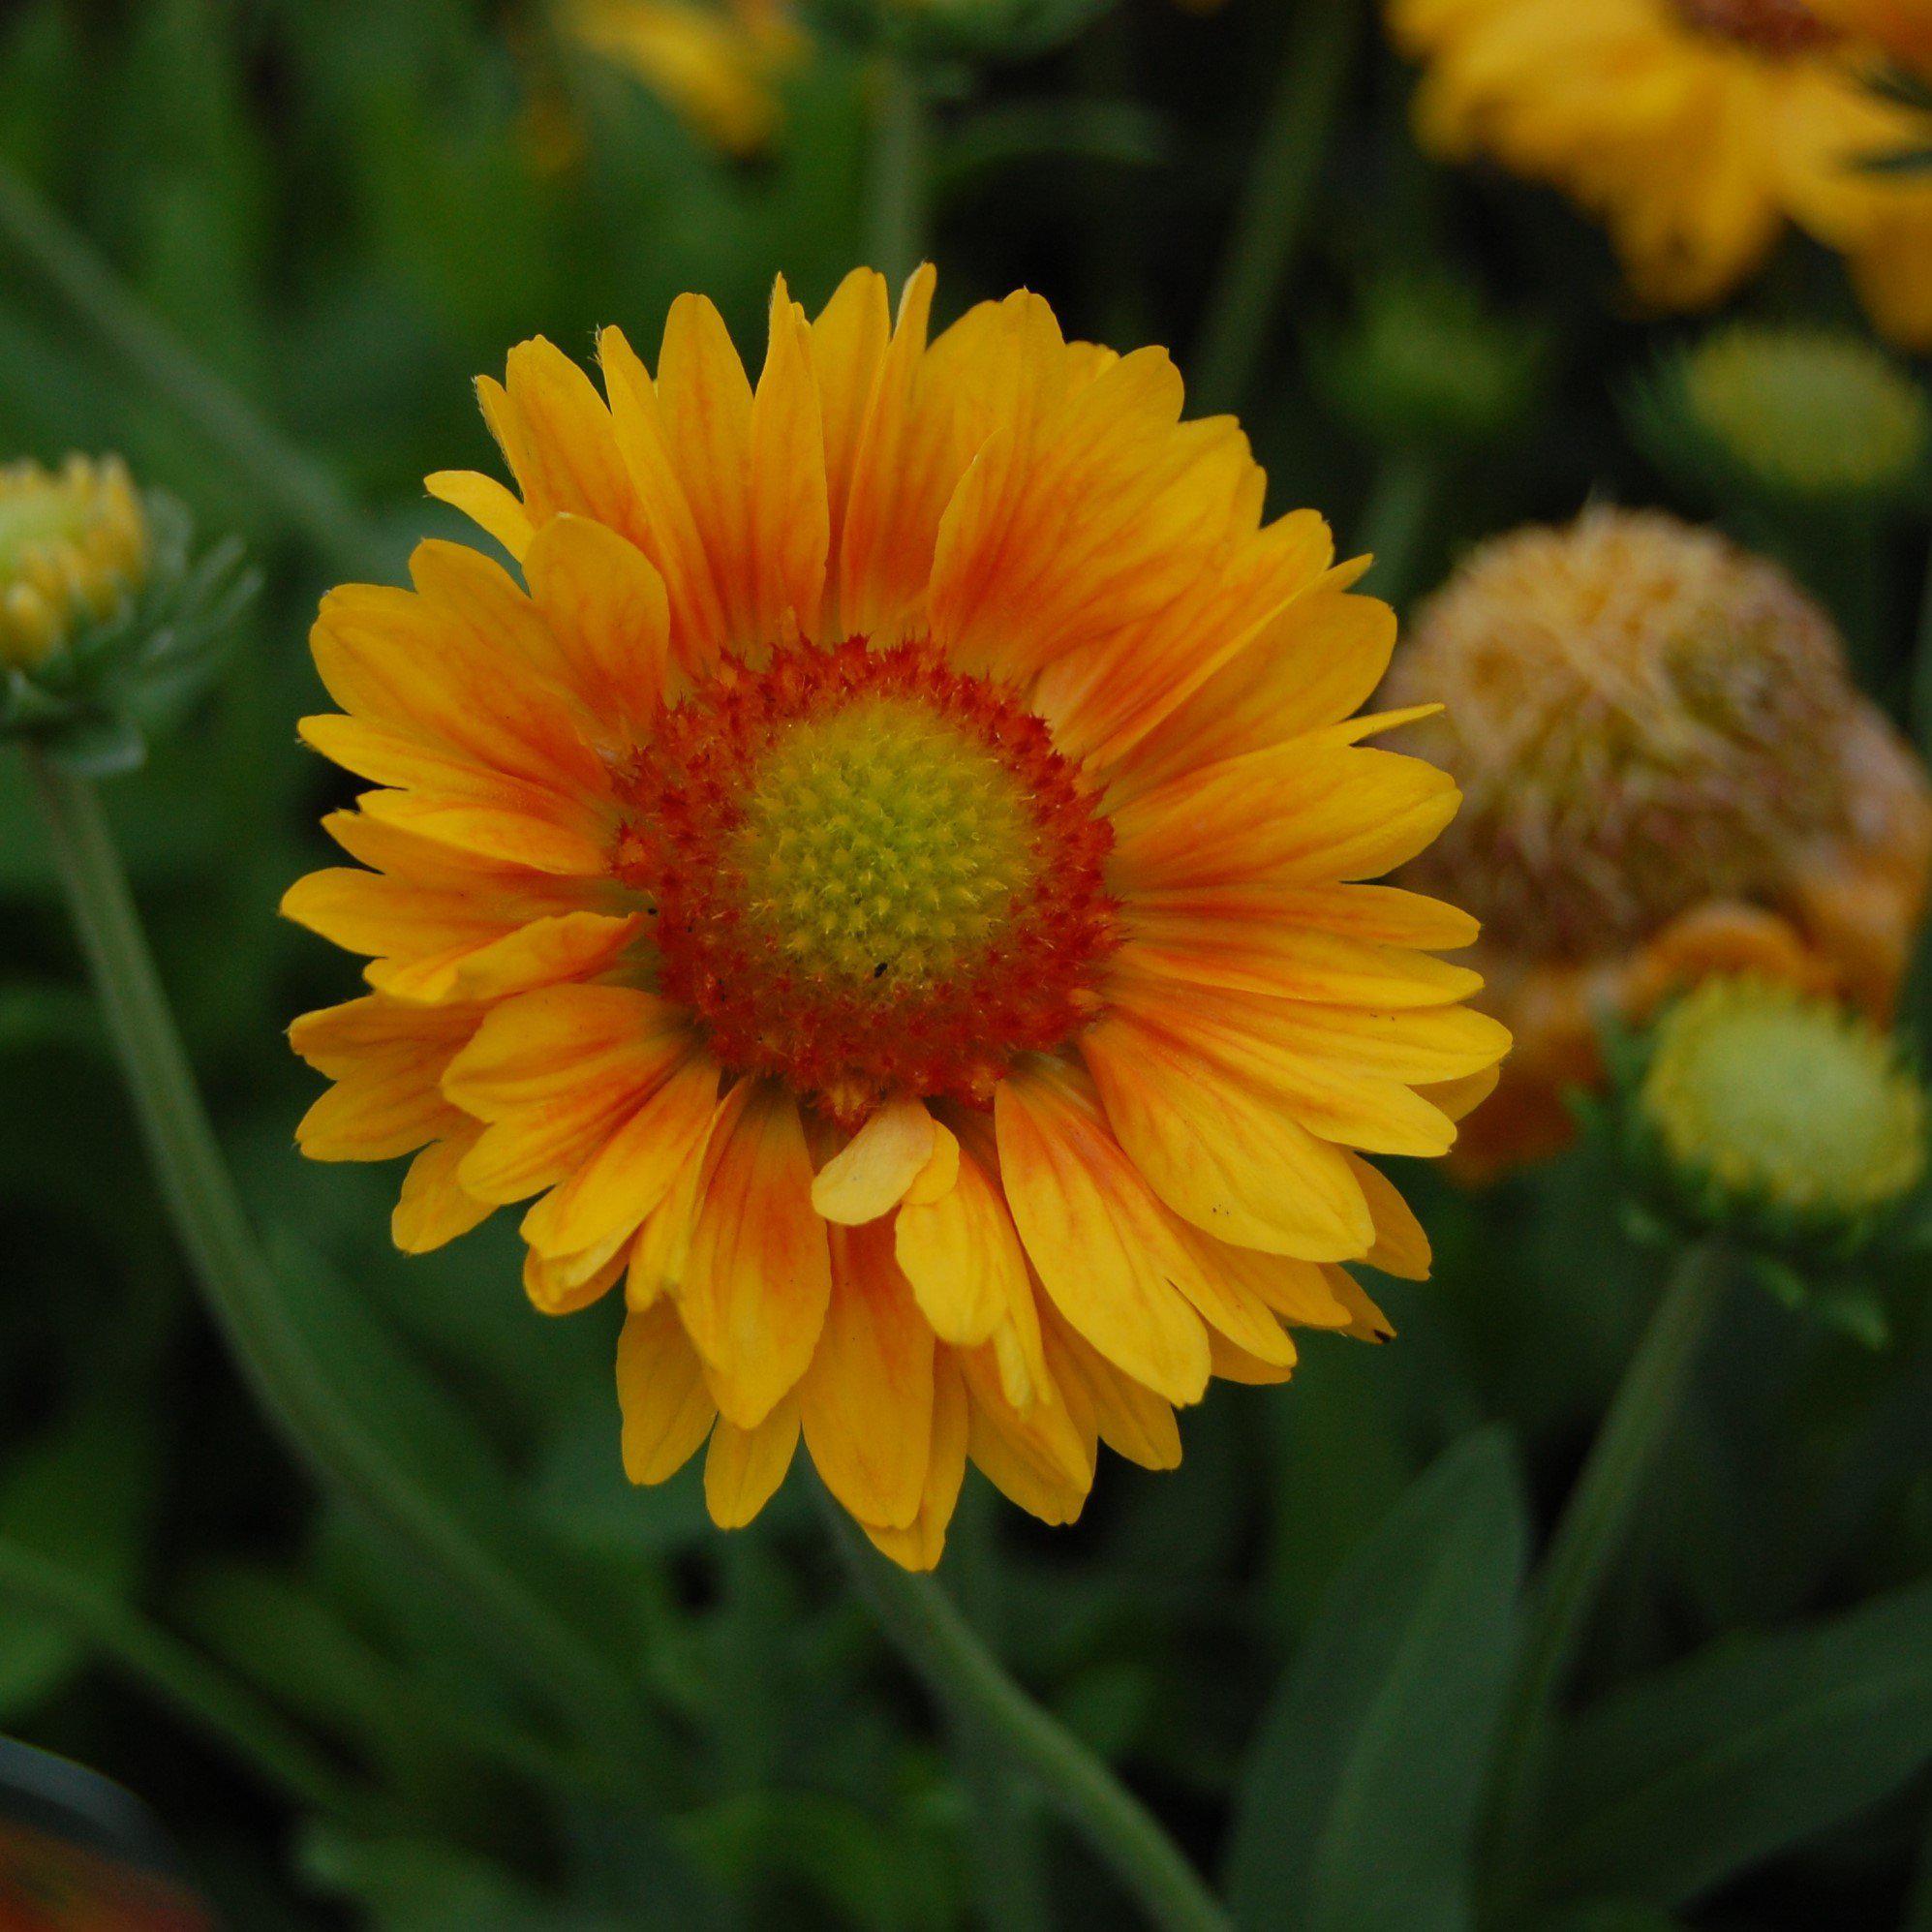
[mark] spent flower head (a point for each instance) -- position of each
(109, 622)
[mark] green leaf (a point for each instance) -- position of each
(83, 1494)
(1675, 1785)
(1357, 1803)
(414, 1885)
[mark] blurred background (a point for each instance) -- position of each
(333, 214)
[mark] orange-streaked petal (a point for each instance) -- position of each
(919, 1545)
(1095, 1234)
(866, 1399)
(758, 1274)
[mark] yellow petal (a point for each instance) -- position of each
(867, 1398)
(1095, 1234)
(660, 1388)
(608, 615)
(434, 1208)
(919, 1545)
(963, 1257)
(1221, 1154)
(758, 1275)
(870, 1175)
(742, 1468)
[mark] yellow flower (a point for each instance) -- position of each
(74, 547)
(1696, 129)
(884, 880)
(1668, 771)
(715, 62)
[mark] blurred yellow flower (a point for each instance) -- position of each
(715, 62)
(885, 880)
(73, 546)
(1667, 772)
(1696, 129)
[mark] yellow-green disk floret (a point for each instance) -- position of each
(882, 839)
(74, 548)
(1766, 1098)
(1806, 411)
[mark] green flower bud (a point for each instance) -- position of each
(1424, 365)
(106, 621)
(1801, 415)
(1780, 1116)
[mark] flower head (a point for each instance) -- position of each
(106, 621)
(1814, 417)
(717, 63)
(73, 549)
(1698, 130)
(1770, 1100)
(884, 877)
(1667, 770)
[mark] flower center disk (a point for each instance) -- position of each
(1777, 27)
(871, 875)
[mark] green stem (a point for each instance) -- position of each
(916, 1614)
(898, 200)
(207, 1696)
(246, 1301)
(1006, 1863)
(1273, 213)
(303, 492)
(1589, 1535)
(1397, 520)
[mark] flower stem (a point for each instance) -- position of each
(1396, 521)
(304, 493)
(206, 1696)
(1588, 1536)
(1273, 212)
(918, 1617)
(246, 1301)
(897, 200)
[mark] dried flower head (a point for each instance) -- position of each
(1667, 770)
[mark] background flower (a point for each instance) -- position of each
(1667, 771)
(1696, 129)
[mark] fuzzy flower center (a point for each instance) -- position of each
(871, 875)
(1775, 27)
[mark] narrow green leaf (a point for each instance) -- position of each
(1358, 1803)
(1674, 1786)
